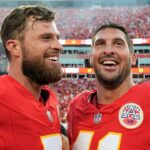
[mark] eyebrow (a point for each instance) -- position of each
(114, 39)
(50, 35)
(120, 39)
(99, 39)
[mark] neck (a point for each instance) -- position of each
(107, 96)
(33, 87)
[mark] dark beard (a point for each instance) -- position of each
(37, 71)
(114, 82)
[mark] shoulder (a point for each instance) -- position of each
(3, 78)
(4, 83)
(138, 94)
(81, 99)
(140, 90)
(143, 85)
(83, 95)
(7, 80)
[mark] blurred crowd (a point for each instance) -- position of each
(66, 89)
(77, 23)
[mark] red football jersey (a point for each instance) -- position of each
(122, 125)
(26, 123)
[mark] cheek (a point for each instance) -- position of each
(124, 56)
(95, 54)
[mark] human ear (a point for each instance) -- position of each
(133, 59)
(13, 46)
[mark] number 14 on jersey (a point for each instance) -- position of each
(111, 141)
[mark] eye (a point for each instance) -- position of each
(119, 43)
(46, 37)
(99, 42)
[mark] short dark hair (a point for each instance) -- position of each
(14, 24)
(115, 26)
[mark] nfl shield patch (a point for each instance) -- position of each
(97, 118)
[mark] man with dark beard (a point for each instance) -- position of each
(113, 115)
(29, 108)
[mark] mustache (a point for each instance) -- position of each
(108, 56)
(52, 52)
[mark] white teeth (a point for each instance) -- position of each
(53, 58)
(109, 62)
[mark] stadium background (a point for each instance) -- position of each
(75, 20)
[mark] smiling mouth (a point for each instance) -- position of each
(53, 59)
(109, 63)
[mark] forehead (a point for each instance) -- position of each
(40, 27)
(110, 33)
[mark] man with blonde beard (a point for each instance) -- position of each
(29, 108)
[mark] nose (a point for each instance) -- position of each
(108, 50)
